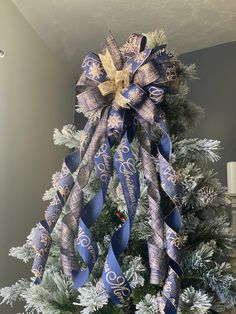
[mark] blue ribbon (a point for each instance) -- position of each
(114, 280)
(173, 221)
(86, 245)
(152, 74)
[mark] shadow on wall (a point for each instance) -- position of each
(215, 91)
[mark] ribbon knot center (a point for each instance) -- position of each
(121, 79)
(117, 80)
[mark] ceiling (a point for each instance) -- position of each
(73, 27)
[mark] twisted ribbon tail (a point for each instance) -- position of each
(70, 221)
(169, 183)
(70, 231)
(65, 185)
(86, 245)
(156, 245)
(114, 280)
(42, 239)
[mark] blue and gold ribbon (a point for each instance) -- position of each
(121, 92)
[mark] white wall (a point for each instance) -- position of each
(36, 95)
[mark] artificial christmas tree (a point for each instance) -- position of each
(122, 226)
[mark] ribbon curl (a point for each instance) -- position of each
(122, 92)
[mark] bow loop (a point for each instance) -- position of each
(114, 50)
(134, 63)
(108, 64)
(134, 45)
(93, 68)
(146, 74)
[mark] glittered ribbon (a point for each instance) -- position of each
(65, 184)
(114, 280)
(156, 244)
(70, 220)
(120, 92)
(171, 186)
(86, 244)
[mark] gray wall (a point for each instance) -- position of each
(215, 91)
(36, 95)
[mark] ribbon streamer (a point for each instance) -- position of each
(86, 244)
(122, 92)
(172, 188)
(66, 186)
(114, 280)
(156, 245)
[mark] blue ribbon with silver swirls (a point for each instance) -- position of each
(86, 244)
(114, 280)
(121, 92)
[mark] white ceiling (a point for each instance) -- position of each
(73, 27)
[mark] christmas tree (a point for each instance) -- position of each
(207, 282)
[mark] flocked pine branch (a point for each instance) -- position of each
(68, 136)
(194, 301)
(200, 266)
(187, 72)
(222, 283)
(183, 90)
(92, 298)
(196, 150)
(201, 189)
(13, 293)
(135, 270)
(54, 295)
(148, 305)
(221, 197)
(92, 187)
(201, 257)
(217, 229)
(156, 38)
(49, 194)
(142, 228)
(24, 252)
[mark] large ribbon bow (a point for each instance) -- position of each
(123, 89)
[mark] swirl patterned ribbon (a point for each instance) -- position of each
(122, 92)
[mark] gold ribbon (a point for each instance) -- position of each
(118, 80)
